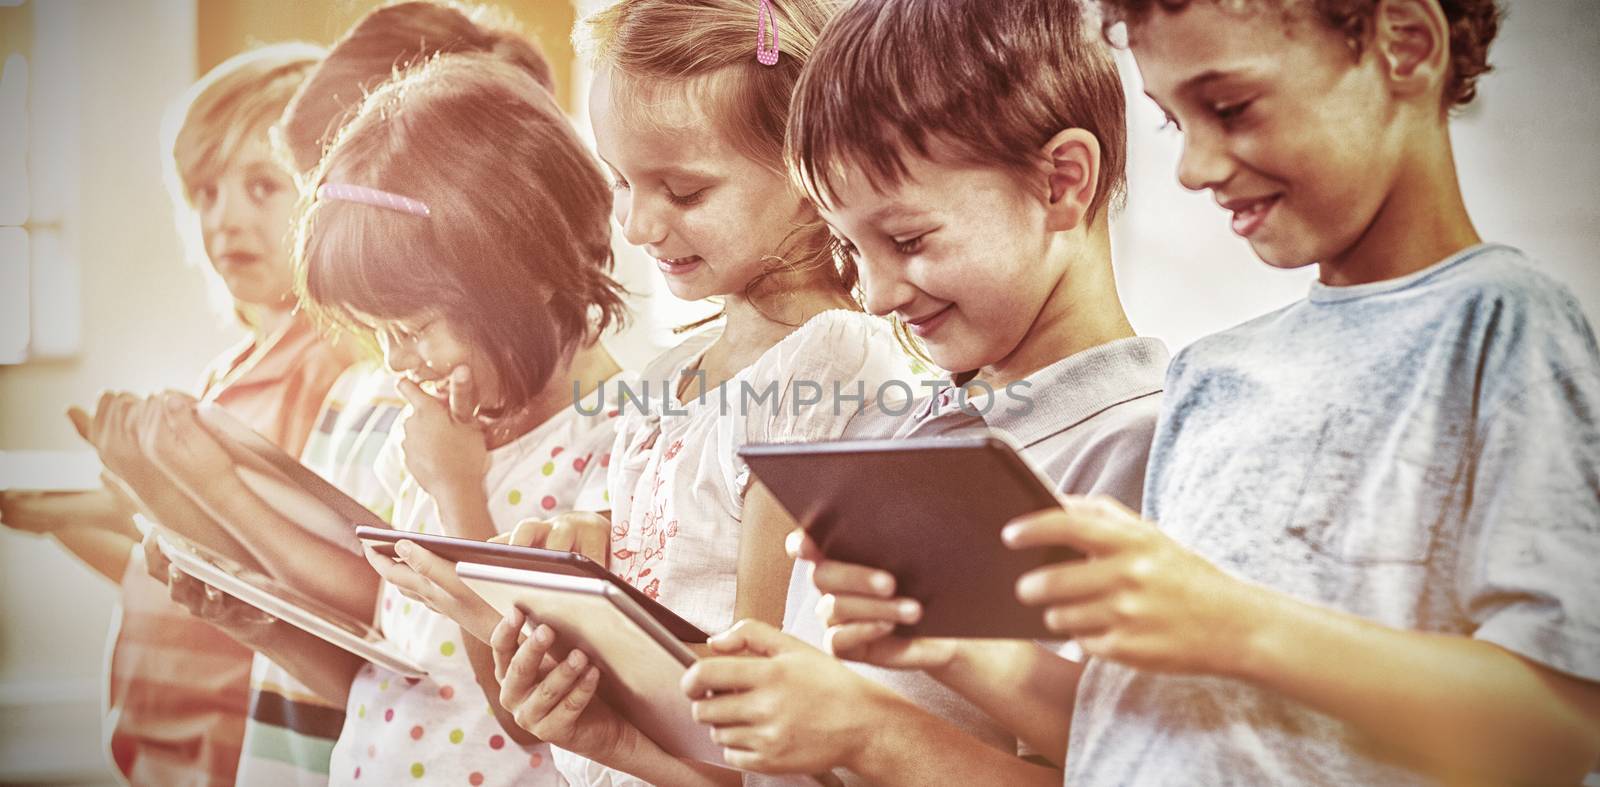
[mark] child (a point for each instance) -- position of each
(690, 124)
(978, 207)
(460, 219)
(291, 727)
(1373, 502)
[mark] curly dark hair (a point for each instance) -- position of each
(1473, 25)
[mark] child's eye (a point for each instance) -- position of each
(1229, 113)
(1169, 123)
(205, 195)
(685, 199)
(910, 245)
(262, 188)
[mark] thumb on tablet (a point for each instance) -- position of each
(530, 533)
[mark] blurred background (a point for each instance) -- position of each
(94, 292)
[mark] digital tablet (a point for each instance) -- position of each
(927, 510)
(297, 610)
(550, 561)
(294, 490)
(640, 661)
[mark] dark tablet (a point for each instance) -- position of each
(550, 561)
(927, 510)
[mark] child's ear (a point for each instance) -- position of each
(1413, 39)
(1073, 165)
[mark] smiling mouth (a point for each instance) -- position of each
(1249, 215)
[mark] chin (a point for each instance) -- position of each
(1283, 257)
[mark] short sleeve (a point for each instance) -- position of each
(1526, 575)
(819, 377)
(591, 493)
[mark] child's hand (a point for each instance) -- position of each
(446, 454)
(170, 434)
(431, 581)
(859, 608)
(555, 700)
(1139, 597)
(249, 626)
(112, 432)
(780, 705)
(584, 532)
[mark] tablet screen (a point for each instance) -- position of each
(929, 511)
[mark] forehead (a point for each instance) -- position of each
(931, 187)
(1207, 39)
(645, 127)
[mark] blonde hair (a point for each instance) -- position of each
(706, 50)
(240, 98)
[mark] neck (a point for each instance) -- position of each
(265, 322)
(589, 366)
(755, 324)
(1422, 221)
(1083, 310)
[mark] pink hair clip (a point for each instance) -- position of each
(346, 192)
(767, 56)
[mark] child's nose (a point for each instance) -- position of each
(1203, 163)
(641, 225)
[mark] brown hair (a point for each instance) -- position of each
(516, 250)
(1473, 26)
(240, 98)
(384, 42)
(707, 48)
(990, 82)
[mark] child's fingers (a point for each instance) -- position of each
(727, 710)
(530, 533)
(1070, 581)
(832, 576)
(834, 610)
(522, 672)
(562, 720)
(419, 399)
(800, 546)
(724, 673)
(742, 738)
(846, 639)
(1080, 619)
(429, 566)
(82, 422)
(504, 640)
(551, 690)
(1090, 526)
(463, 395)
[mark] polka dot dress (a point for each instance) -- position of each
(441, 730)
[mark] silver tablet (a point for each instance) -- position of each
(302, 496)
(641, 661)
(293, 608)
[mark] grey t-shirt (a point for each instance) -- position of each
(1423, 452)
(1088, 429)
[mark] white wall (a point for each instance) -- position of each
(145, 326)
(1528, 172)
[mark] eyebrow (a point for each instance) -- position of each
(893, 210)
(666, 171)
